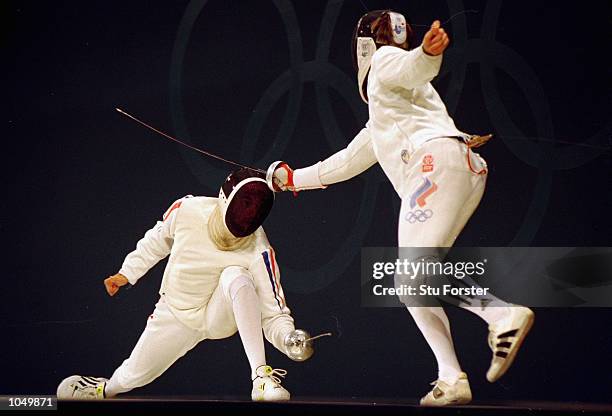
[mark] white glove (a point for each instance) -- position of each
(283, 178)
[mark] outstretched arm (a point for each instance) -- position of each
(153, 247)
(341, 166)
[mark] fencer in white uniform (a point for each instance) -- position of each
(222, 277)
(431, 166)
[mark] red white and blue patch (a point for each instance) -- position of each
(270, 261)
(419, 196)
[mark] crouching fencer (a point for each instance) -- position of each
(222, 276)
(434, 170)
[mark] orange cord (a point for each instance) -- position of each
(483, 171)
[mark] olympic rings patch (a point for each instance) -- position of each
(419, 215)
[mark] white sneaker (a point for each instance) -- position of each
(81, 388)
(505, 339)
(444, 394)
(266, 386)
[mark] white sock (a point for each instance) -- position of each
(245, 304)
(434, 325)
(113, 387)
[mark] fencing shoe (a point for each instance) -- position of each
(444, 394)
(81, 388)
(267, 385)
(505, 339)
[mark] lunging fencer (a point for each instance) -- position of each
(222, 276)
(433, 169)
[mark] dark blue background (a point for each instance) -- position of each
(82, 184)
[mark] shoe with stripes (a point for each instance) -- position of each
(267, 385)
(81, 388)
(505, 339)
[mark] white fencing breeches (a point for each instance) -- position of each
(443, 194)
(165, 340)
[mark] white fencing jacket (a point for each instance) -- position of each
(405, 111)
(195, 264)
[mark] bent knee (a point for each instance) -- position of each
(232, 279)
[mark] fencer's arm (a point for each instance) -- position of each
(341, 166)
(408, 69)
(276, 317)
(153, 247)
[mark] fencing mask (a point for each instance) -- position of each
(373, 30)
(245, 201)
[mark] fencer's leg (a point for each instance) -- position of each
(163, 341)
(457, 194)
(428, 315)
(508, 324)
(435, 327)
(490, 308)
(239, 290)
(452, 386)
(452, 197)
(448, 190)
